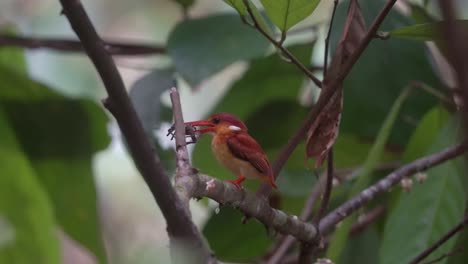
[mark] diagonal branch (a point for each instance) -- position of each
(251, 205)
(386, 183)
(69, 45)
(179, 225)
(463, 223)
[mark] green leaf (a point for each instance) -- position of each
(233, 241)
(428, 211)
(202, 47)
(146, 93)
(427, 131)
(27, 224)
(146, 98)
(238, 5)
(287, 13)
(424, 32)
(373, 85)
(340, 237)
(11, 57)
(59, 136)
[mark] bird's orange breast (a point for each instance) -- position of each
(224, 155)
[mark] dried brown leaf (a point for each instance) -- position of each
(324, 131)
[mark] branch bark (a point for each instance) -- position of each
(69, 45)
(179, 225)
(386, 183)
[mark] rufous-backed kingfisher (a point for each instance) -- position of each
(235, 149)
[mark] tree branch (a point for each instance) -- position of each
(279, 45)
(251, 205)
(179, 225)
(441, 241)
(68, 45)
(184, 169)
(457, 40)
(386, 183)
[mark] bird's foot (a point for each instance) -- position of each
(237, 182)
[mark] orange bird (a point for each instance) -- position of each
(235, 149)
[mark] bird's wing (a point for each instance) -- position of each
(244, 147)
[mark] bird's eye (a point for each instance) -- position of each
(216, 120)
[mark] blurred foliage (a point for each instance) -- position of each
(287, 13)
(47, 140)
(57, 137)
(234, 41)
(379, 76)
(340, 236)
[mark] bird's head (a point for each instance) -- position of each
(220, 123)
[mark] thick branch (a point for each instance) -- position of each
(386, 183)
(179, 225)
(463, 223)
(68, 45)
(251, 205)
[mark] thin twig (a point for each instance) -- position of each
(325, 96)
(367, 219)
(279, 45)
(288, 241)
(328, 189)
(463, 223)
(448, 254)
(456, 39)
(184, 169)
(327, 39)
(68, 45)
(179, 225)
(368, 194)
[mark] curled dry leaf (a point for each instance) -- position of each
(324, 131)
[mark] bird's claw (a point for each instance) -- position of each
(235, 183)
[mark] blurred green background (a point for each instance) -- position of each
(69, 192)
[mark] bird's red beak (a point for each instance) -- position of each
(209, 127)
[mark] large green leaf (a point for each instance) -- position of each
(59, 137)
(424, 32)
(233, 241)
(428, 211)
(202, 47)
(146, 98)
(379, 77)
(340, 237)
(287, 13)
(27, 224)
